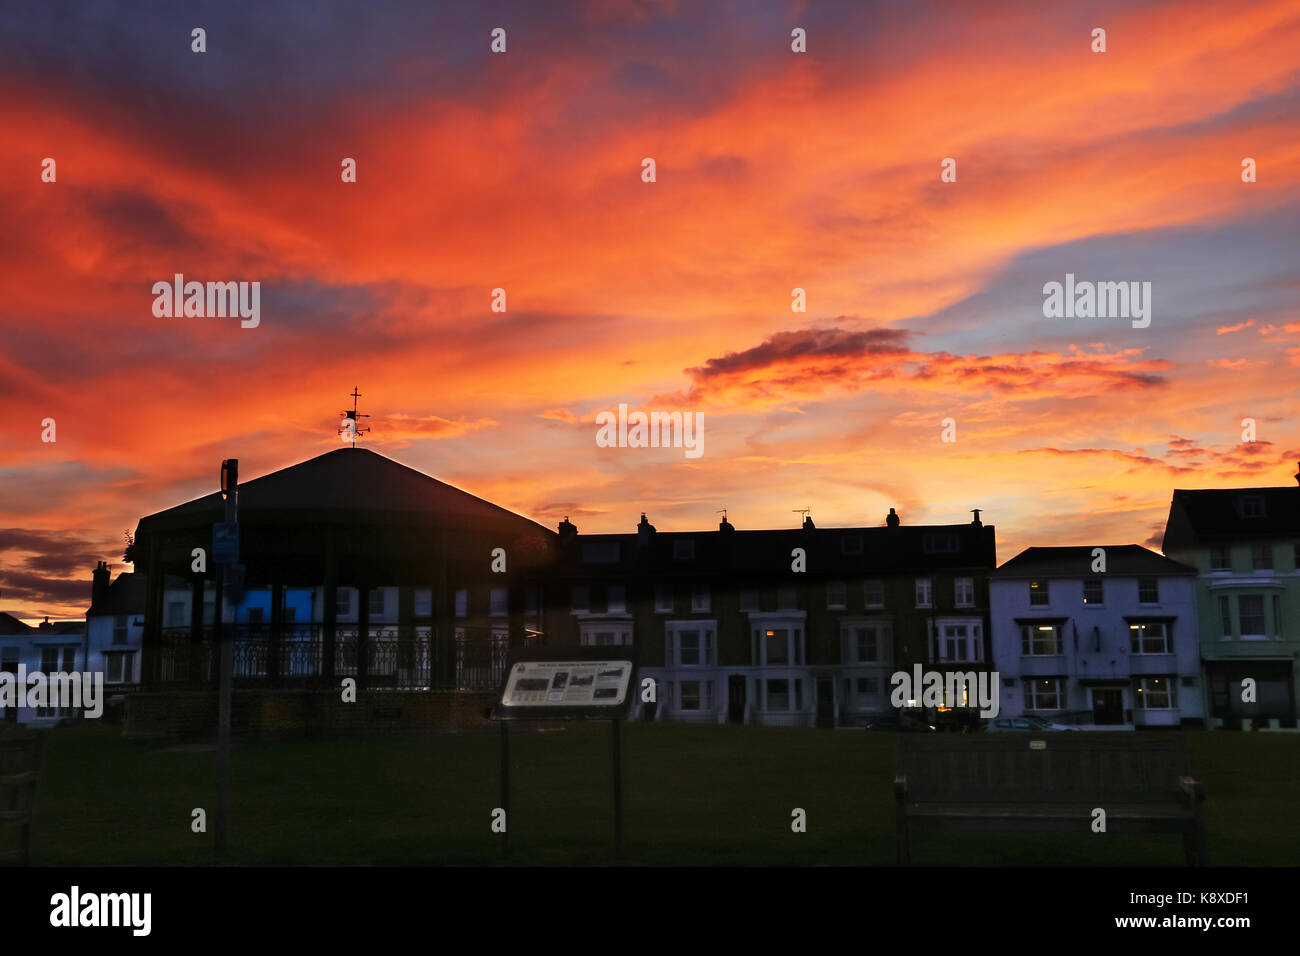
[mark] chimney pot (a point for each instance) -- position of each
(99, 580)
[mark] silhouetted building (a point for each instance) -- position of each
(796, 627)
(353, 566)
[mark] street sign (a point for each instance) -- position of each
(225, 542)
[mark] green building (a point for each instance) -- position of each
(1245, 546)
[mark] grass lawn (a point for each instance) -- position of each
(692, 796)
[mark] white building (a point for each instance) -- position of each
(115, 630)
(1103, 649)
(50, 648)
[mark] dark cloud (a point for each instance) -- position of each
(805, 343)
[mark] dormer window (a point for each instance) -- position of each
(600, 552)
(1251, 506)
(940, 543)
(851, 544)
(684, 549)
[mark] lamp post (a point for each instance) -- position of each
(225, 540)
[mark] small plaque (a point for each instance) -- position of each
(566, 689)
(1038, 745)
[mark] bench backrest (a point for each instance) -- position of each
(1069, 767)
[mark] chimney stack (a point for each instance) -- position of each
(1297, 474)
(892, 518)
(976, 512)
(99, 584)
(643, 530)
(567, 529)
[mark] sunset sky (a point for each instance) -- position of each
(522, 170)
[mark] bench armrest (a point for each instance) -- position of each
(1191, 791)
(900, 786)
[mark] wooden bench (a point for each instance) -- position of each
(20, 765)
(1047, 782)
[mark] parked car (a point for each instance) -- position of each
(1028, 723)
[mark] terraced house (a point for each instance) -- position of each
(733, 633)
(1101, 649)
(1245, 546)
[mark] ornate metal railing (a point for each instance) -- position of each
(396, 657)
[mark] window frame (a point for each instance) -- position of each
(1033, 693)
(1138, 638)
(1027, 640)
(958, 584)
(1100, 584)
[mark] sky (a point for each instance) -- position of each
(523, 170)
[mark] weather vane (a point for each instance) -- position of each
(348, 430)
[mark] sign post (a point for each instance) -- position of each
(225, 552)
(587, 683)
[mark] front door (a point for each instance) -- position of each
(1107, 705)
(736, 698)
(825, 702)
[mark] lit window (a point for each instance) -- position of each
(1043, 694)
(1093, 592)
(1038, 593)
(1155, 693)
(1149, 637)
(1037, 640)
